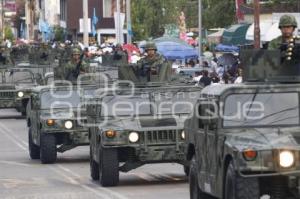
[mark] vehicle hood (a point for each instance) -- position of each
(62, 114)
(263, 138)
(7, 87)
(25, 86)
(144, 123)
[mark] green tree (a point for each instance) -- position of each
(8, 33)
(59, 33)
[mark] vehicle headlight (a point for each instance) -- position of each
(20, 94)
(183, 135)
(286, 159)
(133, 137)
(68, 124)
(50, 122)
(110, 133)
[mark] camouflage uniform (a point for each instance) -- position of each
(275, 43)
(285, 21)
(66, 71)
(153, 69)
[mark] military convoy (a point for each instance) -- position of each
(231, 139)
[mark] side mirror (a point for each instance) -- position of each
(208, 113)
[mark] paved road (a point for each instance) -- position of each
(23, 178)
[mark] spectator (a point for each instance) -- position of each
(205, 80)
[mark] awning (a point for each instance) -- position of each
(235, 35)
(215, 37)
(268, 31)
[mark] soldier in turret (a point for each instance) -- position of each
(287, 25)
(75, 66)
(153, 67)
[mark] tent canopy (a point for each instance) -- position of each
(268, 31)
(235, 35)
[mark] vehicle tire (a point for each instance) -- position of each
(238, 187)
(108, 167)
(195, 191)
(34, 150)
(48, 150)
(94, 167)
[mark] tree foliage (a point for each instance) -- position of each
(149, 17)
(59, 34)
(8, 33)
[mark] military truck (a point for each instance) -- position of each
(132, 123)
(243, 140)
(54, 120)
(15, 86)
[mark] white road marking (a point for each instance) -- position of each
(112, 194)
(15, 163)
(12, 133)
(11, 138)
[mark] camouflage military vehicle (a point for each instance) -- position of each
(54, 118)
(130, 126)
(243, 140)
(15, 87)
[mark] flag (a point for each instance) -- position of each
(94, 23)
(129, 29)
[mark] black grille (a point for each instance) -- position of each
(6, 94)
(161, 136)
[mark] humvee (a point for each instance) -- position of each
(243, 140)
(54, 120)
(14, 88)
(130, 126)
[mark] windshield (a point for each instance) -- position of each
(178, 102)
(261, 109)
(16, 77)
(62, 99)
(117, 106)
(174, 102)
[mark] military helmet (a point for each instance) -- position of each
(76, 51)
(150, 46)
(287, 20)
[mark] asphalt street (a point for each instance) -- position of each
(69, 178)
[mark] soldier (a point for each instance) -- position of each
(287, 25)
(153, 67)
(75, 66)
(5, 56)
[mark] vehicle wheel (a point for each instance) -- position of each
(240, 188)
(195, 191)
(34, 150)
(186, 170)
(109, 167)
(94, 167)
(48, 148)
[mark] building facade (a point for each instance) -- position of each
(71, 11)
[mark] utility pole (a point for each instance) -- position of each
(129, 25)
(256, 24)
(2, 19)
(118, 28)
(85, 24)
(200, 31)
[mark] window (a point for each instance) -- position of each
(110, 6)
(261, 109)
(63, 10)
